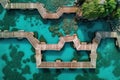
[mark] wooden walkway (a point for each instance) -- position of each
(20, 35)
(41, 46)
(66, 65)
(77, 44)
(40, 7)
(101, 35)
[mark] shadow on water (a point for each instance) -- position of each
(87, 30)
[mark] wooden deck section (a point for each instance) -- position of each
(40, 46)
(77, 44)
(20, 35)
(40, 7)
(66, 65)
(100, 35)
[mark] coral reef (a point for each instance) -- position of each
(55, 30)
(11, 68)
(26, 60)
(11, 75)
(89, 77)
(4, 57)
(13, 51)
(8, 20)
(32, 58)
(78, 55)
(69, 26)
(26, 70)
(47, 72)
(116, 71)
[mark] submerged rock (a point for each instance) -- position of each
(69, 26)
(11, 68)
(116, 71)
(26, 70)
(24, 61)
(13, 51)
(4, 57)
(32, 58)
(10, 74)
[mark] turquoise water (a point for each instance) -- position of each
(108, 62)
(66, 54)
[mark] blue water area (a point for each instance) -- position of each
(108, 62)
(66, 54)
(35, 26)
(70, 74)
(21, 45)
(86, 31)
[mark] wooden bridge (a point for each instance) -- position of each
(77, 44)
(39, 46)
(102, 35)
(66, 65)
(40, 7)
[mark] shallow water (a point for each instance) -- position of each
(108, 62)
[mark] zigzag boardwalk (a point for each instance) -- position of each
(40, 7)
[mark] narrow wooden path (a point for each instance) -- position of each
(41, 46)
(40, 7)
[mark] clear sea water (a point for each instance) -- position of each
(108, 62)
